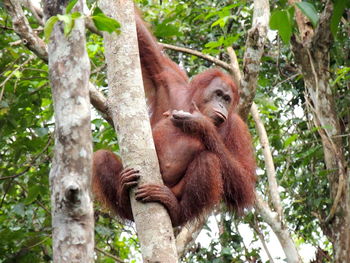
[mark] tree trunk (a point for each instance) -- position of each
(70, 175)
(129, 113)
(312, 55)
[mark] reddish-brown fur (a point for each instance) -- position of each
(203, 156)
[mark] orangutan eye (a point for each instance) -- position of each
(227, 98)
(218, 93)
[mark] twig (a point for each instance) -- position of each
(36, 10)
(10, 75)
(287, 79)
(22, 28)
(214, 60)
(31, 163)
(37, 45)
(257, 230)
(109, 255)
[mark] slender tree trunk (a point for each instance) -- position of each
(252, 57)
(70, 175)
(274, 218)
(129, 113)
(312, 55)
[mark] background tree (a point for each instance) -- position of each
(71, 171)
(302, 128)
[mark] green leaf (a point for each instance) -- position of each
(97, 11)
(167, 30)
(221, 21)
(290, 140)
(33, 193)
(75, 15)
(310, 11)
(280, 20)
(68, 23)
(70, 6)
(41, 131)
(49, 27)
(339, 7)
(64, 18)
(105, 23)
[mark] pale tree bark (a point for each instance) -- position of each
(188, 234)
(252, 57)
(70, 175)
(127, 105)
(311, 53)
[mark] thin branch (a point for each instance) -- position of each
(287, 79)
(214, 60)
(342, 170)
(109, 255)
(30, 163)
(23, 29)
(272, 219)
(11, 74)
(188, 235)
(39, 48)
(218, 62)
(35, 9)
(236, 72)
(100, 103)
(257, 230)
(270, 167)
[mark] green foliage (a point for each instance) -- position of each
(310, 11)
(101, 21)
(339, 8)
(67, 18)
(70, 6)
(105, 23)
(282, 20)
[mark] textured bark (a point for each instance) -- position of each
(127, 105)
(312, 56)
(254, 50)
(70, 175)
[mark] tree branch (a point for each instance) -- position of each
(272, 219)
(35, 9)
(254, 50)
(23, 29)
(109, 255)
(35, 44)
(270, 167)
(188, 235)
(196, 53)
